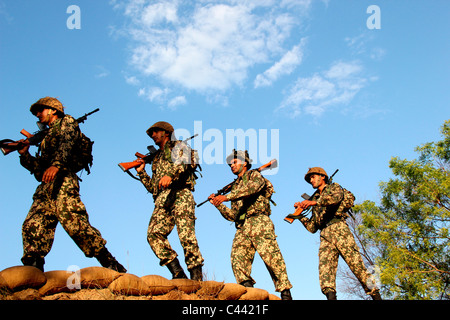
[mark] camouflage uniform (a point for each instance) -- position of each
(174, 205)
(335, 238)
(250, 209)
(59, 200)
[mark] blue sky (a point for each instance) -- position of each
(335, 93)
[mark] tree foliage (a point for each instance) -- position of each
(411, 225)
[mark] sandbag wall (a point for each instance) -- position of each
(98, 283)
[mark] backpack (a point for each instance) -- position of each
(183, 153)
(347, 203)
(82, 154)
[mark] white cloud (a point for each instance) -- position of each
(211, 46)
(177, 101)
(314, 95)
(285, 66)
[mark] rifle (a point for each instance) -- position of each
(7, 145)
(299, 212)
(147, 158)
(272, 164)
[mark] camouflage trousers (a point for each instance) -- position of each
(179, 211)
(337, 240)
(257, 234)
(53, 204)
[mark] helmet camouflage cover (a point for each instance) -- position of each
(316, 170)
(161, 125)
(239, 154)
(47, 102)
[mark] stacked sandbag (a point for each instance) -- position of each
(158, 285)
(22, 277)
(98, 283)
(97, 277)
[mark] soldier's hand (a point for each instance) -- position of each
(306, 204)
(218, 200)
(50, 174)
(142, 166)
(165, 182)
(24, 149)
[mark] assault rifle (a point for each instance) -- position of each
(146, 158)
(299, 212)
(270, 165)
(7, 145)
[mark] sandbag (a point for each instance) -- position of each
(158, 285)
(20, 277)
(273, 297)
(58, 281)
(97, 277)
(255, 294)
(186, 285)
(129, 284)
(210, 289)
(232, 291)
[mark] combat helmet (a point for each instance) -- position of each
(239, 154)
(47, 102)
(316, 170)
(161, 125)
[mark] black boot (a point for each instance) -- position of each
(331, 295)
(34, 261)
(176, 270)
(108, 261)
(247, 283)
(196, 273)
(286, 295)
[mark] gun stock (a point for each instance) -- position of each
(297, 213)
(125, 166)
(272, 164)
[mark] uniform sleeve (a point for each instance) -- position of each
(29, 162)
(310, 224)
(227, 213)
(254, 184)
(331, 195)
(69, 134)
(146, 180)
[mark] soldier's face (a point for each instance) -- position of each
(160, 137)
(236, 165)
(44, 115)
(317, 180)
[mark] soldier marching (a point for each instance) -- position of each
(171, 183)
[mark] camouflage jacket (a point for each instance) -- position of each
(173, 162)
(56, 149)
(249, 196)
(328, 204)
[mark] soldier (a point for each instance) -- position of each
(328, 216)
(171, 185)
(57, 198)
(250, 210)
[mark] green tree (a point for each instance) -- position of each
(410, 226)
